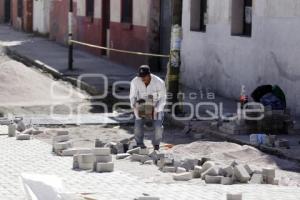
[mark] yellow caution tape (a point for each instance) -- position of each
(121, 51)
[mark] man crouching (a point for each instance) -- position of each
(148, 99)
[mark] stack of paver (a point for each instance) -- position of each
(19, 130)
(61, 142)
(103, 160)
(100, 160)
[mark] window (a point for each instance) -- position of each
(90, 8)
(127, 8)
(241, 19)
(20, 8)
(198, 15)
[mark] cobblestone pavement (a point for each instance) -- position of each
(34, 157)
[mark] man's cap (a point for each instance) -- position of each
(144, 70)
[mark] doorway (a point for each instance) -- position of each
(29, 16)
(7, 11)
(106, 25)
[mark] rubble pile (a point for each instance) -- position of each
(18, 129)
(206, 169)
(61, 142)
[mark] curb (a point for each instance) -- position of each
(50, 70)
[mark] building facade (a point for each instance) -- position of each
(22, 14)
(230, 43)
(41, 16)
(132, 25)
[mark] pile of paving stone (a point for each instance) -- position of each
(99, 160)
(61, 142)
(207, 170)
(18, 129)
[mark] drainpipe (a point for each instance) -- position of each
(70, 33)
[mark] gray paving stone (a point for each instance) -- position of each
(226, 181)
(234, 196)
(86, 158)
(213, 179)
(122, 156)
(105, 167)
(134, 151)
(103, 159)
(23, 137)
(102, 151)
(256, 179)
(241, 174)
(183, 176)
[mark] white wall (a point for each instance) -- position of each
(41, 14)
(217, 60)
(140, 12)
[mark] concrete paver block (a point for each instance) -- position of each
(189, 164)
(137, 158)
(148, 198)
(134, 151)
(62, 145)
(75, 162)
(86, 166)
(183, 176)
(23, 137)
(168, 169)
(145, 158)
(234, 196)
(156, 155)
(207, 165)
(21, 126)
(180, 170)
(115, 147)
(241, 174)
(103, 159)
(105, 167)
(213, 179)
(74, 151)
(196, 174)
(256, 179)
(102, 151)
(61, 138)
(198, 169)
(86, 158)
(122, 156)
(149, 162)
(249, 169)
(269, 173)
(144, 151)
(226, 181)
(213, 171)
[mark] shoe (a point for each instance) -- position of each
(156, 148)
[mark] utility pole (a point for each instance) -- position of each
(70, 33)
(175, 61)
